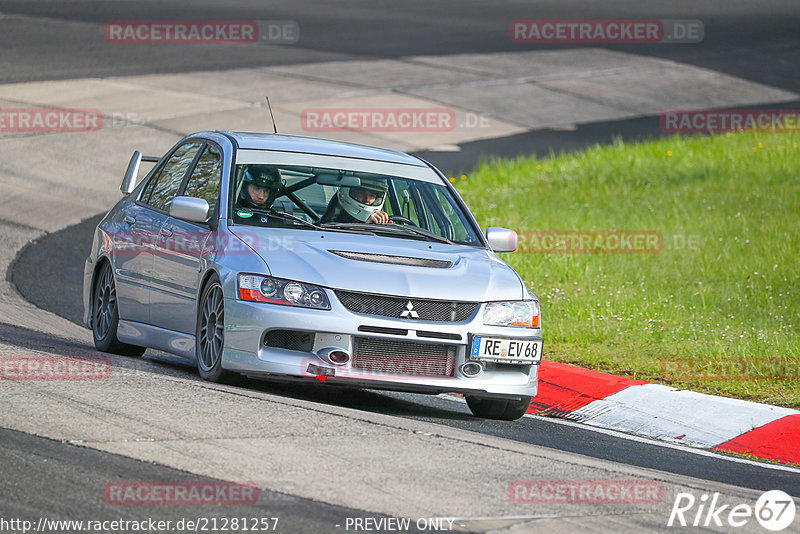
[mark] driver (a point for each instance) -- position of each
(260, 188)
(359, 204)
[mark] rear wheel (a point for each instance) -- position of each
(105, 316)
(210, 335)
(506, 410)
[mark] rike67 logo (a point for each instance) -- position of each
(774, 510)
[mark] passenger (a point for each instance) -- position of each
(359, 204)
(260, 188)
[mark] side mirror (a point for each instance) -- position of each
(502, 239)
(189, 209)
(129, 180)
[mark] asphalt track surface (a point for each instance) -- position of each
(757, 41)
(753, 40)
(60, 489)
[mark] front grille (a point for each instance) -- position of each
(439, 335)
(383, 330)
(403, 357)
(398, 307)
(290, 340)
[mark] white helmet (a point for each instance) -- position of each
(358, 209)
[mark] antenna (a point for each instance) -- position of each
(274, 127)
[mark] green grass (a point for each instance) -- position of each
(715, 310)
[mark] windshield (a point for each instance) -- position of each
(314, 197)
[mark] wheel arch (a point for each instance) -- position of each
(99, 264)
(202, 286)
(204, 281)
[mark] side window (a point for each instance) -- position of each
(206, 177)
(171, 177)
(148, 189)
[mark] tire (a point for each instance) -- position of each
(505, 410)
(210, 332)
(105, 316)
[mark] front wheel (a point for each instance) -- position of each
(210, 333)
(505, 410)
(105, 316)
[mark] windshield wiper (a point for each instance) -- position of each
(390, 228)
(430, 235)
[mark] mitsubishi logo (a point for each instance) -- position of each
(410, 312)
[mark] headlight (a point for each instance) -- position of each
(276, 291)
(523, 313)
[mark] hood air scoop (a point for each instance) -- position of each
(394, 260)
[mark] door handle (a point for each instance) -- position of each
(129, 219)
(166, 232)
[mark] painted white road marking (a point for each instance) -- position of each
(681, 416)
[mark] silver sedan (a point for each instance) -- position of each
(293, 258)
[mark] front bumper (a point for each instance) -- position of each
(247, 323)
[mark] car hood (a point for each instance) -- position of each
(474, 274)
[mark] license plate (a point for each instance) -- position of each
(494, 349)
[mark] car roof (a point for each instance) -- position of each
(314, 145)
